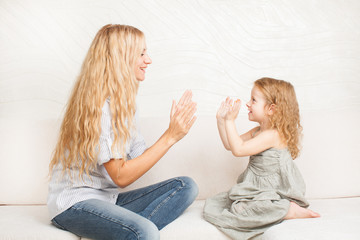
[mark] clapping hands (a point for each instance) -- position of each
(182, 116)
(228, 110)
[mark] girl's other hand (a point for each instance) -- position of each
(233, 110)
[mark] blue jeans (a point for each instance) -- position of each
(138, 214)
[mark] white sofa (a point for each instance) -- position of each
(329, 163)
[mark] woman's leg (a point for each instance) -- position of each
(163, 202)
(97, 219)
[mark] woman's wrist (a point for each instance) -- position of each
(168, 138)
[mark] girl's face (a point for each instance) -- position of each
(141, 64)
(257, 106)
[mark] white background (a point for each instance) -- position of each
(217, 48)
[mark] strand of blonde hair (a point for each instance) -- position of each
(107, 72)
(286, 118)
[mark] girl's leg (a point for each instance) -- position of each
(162, 202)
(97, 219)
(295, 211)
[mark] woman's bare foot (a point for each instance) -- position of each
(295, 211)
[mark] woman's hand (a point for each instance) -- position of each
(184, 100)
(181, 117)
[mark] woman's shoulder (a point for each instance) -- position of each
(106, 107)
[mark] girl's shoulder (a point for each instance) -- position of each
(272, 133)
(278, 141)
(272, 136)
(255, 131)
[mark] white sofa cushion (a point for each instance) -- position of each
(340, 219)
(29, 222)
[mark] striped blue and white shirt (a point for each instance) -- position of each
(65, 191)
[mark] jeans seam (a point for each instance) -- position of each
(166, 199)
(58, 225)
(109, 219)
(151, 190)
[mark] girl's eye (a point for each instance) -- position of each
(253, 100)
(142, 54)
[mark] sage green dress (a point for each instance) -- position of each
(260, 198)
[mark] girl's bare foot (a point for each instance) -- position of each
(295, 211)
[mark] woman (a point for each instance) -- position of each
(99, 148)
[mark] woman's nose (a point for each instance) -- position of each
(147, 59)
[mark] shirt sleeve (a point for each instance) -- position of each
(138, 145)
(106, 137)
(135, 146)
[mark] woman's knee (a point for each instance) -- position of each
(190, 187)
(142, 229)
(147, 230)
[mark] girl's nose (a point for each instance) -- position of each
(248, 104)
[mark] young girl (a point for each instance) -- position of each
(99, 148)
(271, 189)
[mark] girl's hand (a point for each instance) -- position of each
(233, 110)
(181, 117)
(224, 107)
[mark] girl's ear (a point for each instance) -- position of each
(271, 109)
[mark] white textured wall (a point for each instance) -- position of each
(214, 47)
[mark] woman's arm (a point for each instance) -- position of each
(123, 173)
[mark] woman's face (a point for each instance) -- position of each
(141, 64)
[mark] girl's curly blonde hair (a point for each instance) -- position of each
(286, 117)
(107, 71)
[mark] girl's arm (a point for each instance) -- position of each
(123, 173)
(246, 145)
(222, 133)
(240, 147)
(220, 119)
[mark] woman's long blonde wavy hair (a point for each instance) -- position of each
(107, 71)
(286, 117)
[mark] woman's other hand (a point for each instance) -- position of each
(181, 117)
